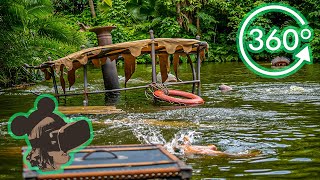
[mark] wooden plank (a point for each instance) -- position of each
(116, 149)
(148, 173)
(90, 110)
(87, 166)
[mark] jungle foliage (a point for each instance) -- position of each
(32, 30)
(30, 33)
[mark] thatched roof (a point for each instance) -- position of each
(134, 48)
(129, 51)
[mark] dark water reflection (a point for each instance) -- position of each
(278, 117)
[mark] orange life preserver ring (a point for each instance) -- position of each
(191, 98)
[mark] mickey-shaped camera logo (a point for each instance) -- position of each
(51, 137)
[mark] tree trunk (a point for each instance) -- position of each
(179, 18)
(93, 12)
(198, 23)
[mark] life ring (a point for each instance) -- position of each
(190, 98)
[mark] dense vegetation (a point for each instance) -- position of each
(32, 30)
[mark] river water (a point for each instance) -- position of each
(278, 117)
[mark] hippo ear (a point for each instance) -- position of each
(46, 105)
(20, 126)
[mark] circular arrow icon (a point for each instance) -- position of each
(301, 55)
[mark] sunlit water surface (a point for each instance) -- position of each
(278, 117)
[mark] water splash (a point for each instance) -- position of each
(144, 132)
(148, 134)
(178, 139)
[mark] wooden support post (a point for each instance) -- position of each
(85, 101)
(198, 67)
(153, 58)
(193, 73)
(56, 92)
(85, 82)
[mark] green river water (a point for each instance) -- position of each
(279, 117)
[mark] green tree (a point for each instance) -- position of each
(30, 33)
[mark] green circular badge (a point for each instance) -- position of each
(290, 40)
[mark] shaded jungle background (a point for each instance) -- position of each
(33, 30)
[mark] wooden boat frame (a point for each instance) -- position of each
(187, 46)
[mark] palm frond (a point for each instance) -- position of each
(108, 2)
(206, 18)
(57, 28)
(39, 10)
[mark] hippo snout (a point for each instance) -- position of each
(225, 88)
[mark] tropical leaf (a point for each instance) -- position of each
(129, 66)
(103, 7)
(192, 28)
(39, 10)
(108, 2)
(31, 31)
(164, 66)
(56, 28)
(142, 9)
(206, 18)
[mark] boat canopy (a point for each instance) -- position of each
(160, 48)
(133, 48)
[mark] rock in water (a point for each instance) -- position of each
(225, 88)
(171, 78)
